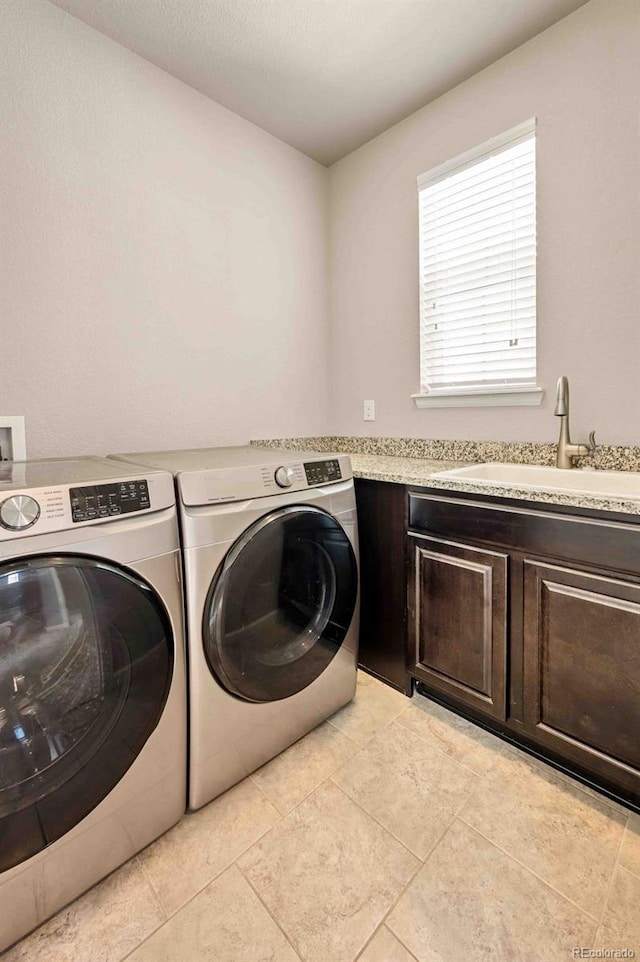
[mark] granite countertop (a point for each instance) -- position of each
(413, 461)
(402, 470)
(423, 471)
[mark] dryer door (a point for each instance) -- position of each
(86, 658)
(281, 604)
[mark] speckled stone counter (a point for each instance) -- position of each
(573, 500)
(422, 471)
(607, 457)
(378, 467)
(396, 466)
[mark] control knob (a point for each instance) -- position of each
(284, 476)
(19, 512)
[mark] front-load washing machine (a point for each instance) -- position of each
(92, 680)
(271, 587)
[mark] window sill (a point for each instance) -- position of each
(529, 396)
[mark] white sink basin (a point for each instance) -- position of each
(604, 484)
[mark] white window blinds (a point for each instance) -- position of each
(478, 268)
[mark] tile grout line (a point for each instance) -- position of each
(388, 830)
(149, 881)
(506, 746)
(449, 755)
(530, 871)
(382, 727)
(605, 903)
(479, 777)
(410, 882)
(614, 811)
(432, 744)
(157, 899)
(374, 819)
(372, 937)
(265, 796)
(395, 901)
(140, 944)
(616, 807)
(165, 917)
(327, 721)
(380, 686)
(217, 875)
(289, 939)
(629, 831)
(225, 868)
(182, 907)
(435, 845)
(330, 778)
(327, 778)
(359, 748)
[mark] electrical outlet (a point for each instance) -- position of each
(368, 410)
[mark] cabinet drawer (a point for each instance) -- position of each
(533, 530)
(457, 620)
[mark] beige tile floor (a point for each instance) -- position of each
(395, 832)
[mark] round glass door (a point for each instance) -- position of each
(86, 657)
(281, 604)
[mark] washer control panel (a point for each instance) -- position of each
(18, 512)
(322, 472)
(44, 510)
(108, 500)
(75, 495)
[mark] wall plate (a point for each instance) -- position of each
(13, 445)
(368, 410)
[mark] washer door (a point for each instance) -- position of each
(281, 604)
(86, 658)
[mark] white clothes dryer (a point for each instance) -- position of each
(92, 680)
(271, 587)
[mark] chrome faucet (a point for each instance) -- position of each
(566, 450)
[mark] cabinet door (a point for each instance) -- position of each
(582, 668)
(457, 610)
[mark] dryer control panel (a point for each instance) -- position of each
(273, 476)
(322, 472)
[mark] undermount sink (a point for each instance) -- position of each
(606, 484)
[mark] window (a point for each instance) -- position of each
(478, 276)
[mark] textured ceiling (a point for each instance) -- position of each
(323, 75)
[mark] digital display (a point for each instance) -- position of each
(322, 472)
(108, 500)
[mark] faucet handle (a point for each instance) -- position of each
(592, 442)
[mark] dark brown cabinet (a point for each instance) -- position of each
(457, 621)
(382, 523)
(528, 619)
(522, 617)
(582, 666)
